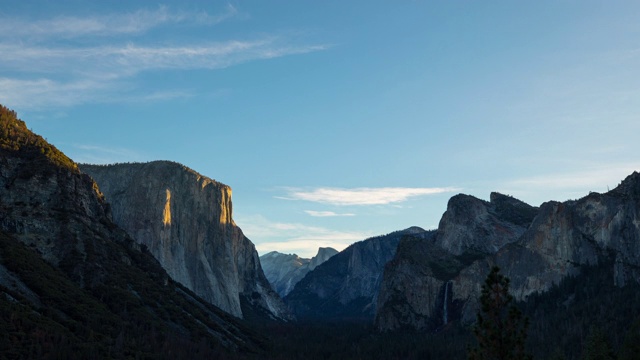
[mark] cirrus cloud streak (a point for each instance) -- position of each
(115, 61)
(362, 196)
(136, 22)
(66, 77)
(326, 213)
(43, 68)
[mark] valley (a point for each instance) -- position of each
(144, 260)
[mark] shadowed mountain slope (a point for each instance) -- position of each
(535, 249)
(284, 271)
(346, 286)
(73, 282)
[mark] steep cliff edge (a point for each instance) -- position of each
(73, 282)
(558, 242)
(346, 286)
(185, 220)
(284, 271)
(567, 235)
(324, 254)
(416, 290)
(349, 284)
(474, 225)
(419, 287)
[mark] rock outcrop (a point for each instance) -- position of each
(538, 252)
(566, 236)
(94, 291)
(185, 220)
(324, 254)
(346, 286)
(416, 290)
(474, 225)
(419, 288)
(284, 271)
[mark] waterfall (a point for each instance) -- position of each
(445, 315)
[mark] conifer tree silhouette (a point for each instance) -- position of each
(500, 328)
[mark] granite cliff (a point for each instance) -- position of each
(185, 220)
(284, 271)
(474, 225)
(542, 248)
(346, 286)
(73, 282)
(416, 291)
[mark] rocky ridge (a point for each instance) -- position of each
(474, 225)
(185, 220)
(284, 271)
(91, 286)
(539, 251)
(346, 286)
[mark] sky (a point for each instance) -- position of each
(335, 121)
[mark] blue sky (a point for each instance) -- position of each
(334, 121)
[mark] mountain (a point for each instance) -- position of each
(185, 220)
(412, 292)
(471, 225)
(561, 240)
(74, 284)
(324, 254)
(284, 271)
(346, 286)
(417, 281)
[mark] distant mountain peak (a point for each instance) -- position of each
(284, 271)
(413, 230)
(326, 250)
(346, 285)
(324, 253)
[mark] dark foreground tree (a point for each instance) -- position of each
(631, 346)
(500, 329)
(598, 347)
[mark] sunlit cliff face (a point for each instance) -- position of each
(166, 214)
(225, 207)
(185, 220)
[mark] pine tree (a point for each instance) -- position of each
(558, 354)
(597, 347)
(631, 346)
(500, 328)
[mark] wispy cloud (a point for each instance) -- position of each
(116, 61)
(135, 22)
(361, 196)
(40, 71)
(97, 73)
(42, 92)
(326, 213)
(300, 239)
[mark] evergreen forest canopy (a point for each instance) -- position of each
(14, 136)
(562, 324)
